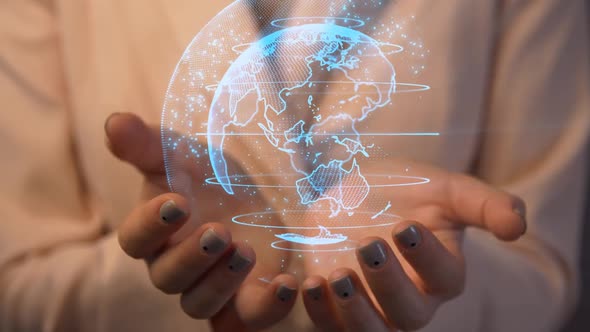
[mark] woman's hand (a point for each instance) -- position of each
(403, 279)
(207, 268)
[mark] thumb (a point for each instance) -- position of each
(478, 204)
(134, 142)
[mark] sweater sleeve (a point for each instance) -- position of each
(534, 144)
(57, 261)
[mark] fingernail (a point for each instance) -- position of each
(106, 122)
(285, 294)
(237, 262)
(520, 209)
(373, 254)
(343, 287)
(410, 237)
(211, 243)
(314, 292)
(170, 212)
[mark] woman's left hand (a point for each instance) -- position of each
(402, 282)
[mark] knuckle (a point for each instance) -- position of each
(448, 291)
(163, 284)
(455, 286)
(127, 247)
(414, 320)
(134, 252)
(196, 309)
(204, 301)
(454, 291)
(411, 314)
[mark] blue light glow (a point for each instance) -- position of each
(324, 237)
(281, 108)
(350, 23)
(268, 220)
(344, 246)
(321, 49)
(263, 180)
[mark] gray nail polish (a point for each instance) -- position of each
(237, 262)
(285, 294)
(410, 237)
(343, 287)
(170, 212)
(314, 292)
(211, 243)
(373, 254)
(520, 209)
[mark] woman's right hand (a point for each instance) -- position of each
(207, 268)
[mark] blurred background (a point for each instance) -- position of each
(580, 319)
(580, 322)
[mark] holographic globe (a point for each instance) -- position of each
(269, 128)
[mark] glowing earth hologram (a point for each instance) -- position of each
(325, 237)
(271, 118)
(263, 180)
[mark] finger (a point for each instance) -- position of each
(440, 267)
(260, 305)
(214, 290)
(351, 302)
(478, 204)
(150, 225)
(177, 268)
(131, 140)
(402, 302)
(319, 306)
